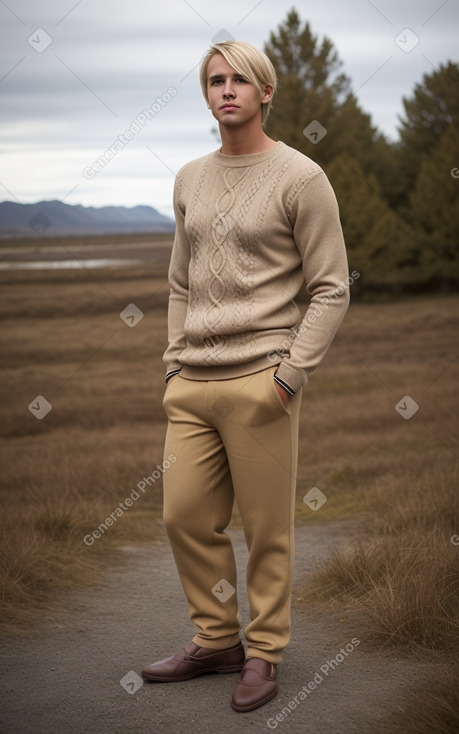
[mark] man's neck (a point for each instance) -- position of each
(241, 141)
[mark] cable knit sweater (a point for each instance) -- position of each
(250, 230)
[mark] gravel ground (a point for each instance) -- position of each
(65, 675)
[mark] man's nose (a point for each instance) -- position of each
(228, 89)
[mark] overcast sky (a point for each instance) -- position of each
(75, 76)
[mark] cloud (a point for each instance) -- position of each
(109, 60)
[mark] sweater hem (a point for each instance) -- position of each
(227, 372)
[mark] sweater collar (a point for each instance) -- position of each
(242, 161)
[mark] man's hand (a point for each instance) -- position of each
(283, 393)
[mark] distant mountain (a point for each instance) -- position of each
(55, 219)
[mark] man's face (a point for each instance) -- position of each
(232, 99)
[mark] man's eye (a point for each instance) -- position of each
(220, 81)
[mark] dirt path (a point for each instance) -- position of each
(66, 677)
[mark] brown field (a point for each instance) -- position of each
(35, 241)
(63, 475)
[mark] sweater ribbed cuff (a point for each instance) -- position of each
(171, 373)
(290, 378)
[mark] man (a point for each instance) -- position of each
(254, 220)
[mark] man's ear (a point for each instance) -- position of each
(268, 93)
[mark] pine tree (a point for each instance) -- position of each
(433, 107)
(398, 202)
(312, 88)
(310, 85)
(434, 210)
(379, 245)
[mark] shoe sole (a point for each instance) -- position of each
(256, 705)
(177, 678)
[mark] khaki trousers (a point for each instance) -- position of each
(233, 438)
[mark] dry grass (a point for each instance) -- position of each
(431, 709)
(62, 476)
(397, 581)
(399, 578)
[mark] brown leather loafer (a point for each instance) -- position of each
(193, 660)
(256, 685)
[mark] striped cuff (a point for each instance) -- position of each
(284, 385)
(290, 378)
(171, 374)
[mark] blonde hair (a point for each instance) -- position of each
(249, 62)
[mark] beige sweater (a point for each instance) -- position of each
(250, 230)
